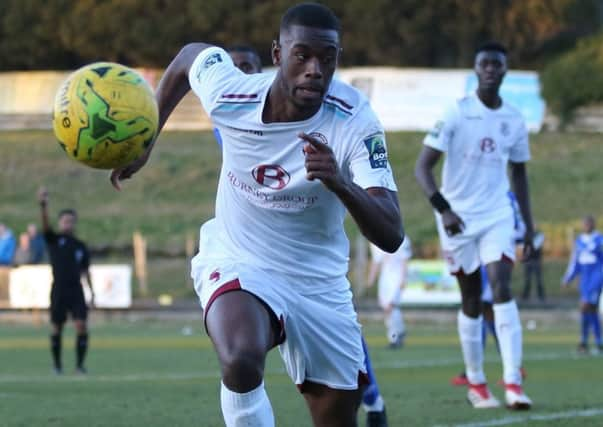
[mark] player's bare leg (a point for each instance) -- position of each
(508, 330)
(330, 407)
(55, 346)
(470, 334)
(81, 344)
(242, 330)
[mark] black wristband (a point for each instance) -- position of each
(439, 202)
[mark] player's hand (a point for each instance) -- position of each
(528, 247)
(43, 195)
(321, 163)
(126, 172)
(453, 224)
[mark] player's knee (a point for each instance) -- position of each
(502, 293)
(472, 305)
(242, 367)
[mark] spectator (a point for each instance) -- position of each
(36, 243)
(7, 246)
(23, 254)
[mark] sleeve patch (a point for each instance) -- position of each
(377, 153)
(212, 59)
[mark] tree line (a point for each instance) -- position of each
(64, 34)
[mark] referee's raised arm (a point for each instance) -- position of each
(43, 200)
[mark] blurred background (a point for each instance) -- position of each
(412, 58)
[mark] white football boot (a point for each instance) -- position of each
(480, 397)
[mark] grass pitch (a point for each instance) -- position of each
(164, 373)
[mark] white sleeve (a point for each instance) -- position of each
(368, 161)
(406, 248)
(520, 151)
(376, 253)
(441, 134)
(210, 73)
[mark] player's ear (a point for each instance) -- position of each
(275, 52)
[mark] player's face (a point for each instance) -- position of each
(247, 62)
(588, 225)
(67, 223)
(490, 67)
(307, 58)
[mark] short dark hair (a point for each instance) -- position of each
(67, 211)
(310, 15)
(243, 48)
(491, 46)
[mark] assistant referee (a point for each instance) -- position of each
(70, 259)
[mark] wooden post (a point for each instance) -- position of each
(139, 244)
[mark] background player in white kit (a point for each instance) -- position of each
(298, 149)
(481, 134)
(392, 271)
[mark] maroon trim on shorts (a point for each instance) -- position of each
(503, 258)
(363, 379)
(507, 259)
(233, 285)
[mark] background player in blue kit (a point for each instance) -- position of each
(587, 262)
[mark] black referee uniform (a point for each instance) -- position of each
(69, 258)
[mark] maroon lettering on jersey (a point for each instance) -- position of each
(487, 145)
(271, 176)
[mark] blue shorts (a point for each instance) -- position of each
(590, 294)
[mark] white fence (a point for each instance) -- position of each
(29, 286)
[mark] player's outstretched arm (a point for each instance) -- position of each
(428, 158)
(43, 200)
(519, 182)
(170, 91)
(375, 210)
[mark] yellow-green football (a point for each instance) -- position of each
(105, 115)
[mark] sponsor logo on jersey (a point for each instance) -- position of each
(437, 128)
(271, 176)
(377, 154)
(487, 145)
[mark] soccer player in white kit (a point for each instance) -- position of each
(480, 135)
(298, 150)
(392, 271)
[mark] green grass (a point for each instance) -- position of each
(146, 373)
(175, 192)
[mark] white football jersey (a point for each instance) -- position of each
(479, 142)
(391, 264)
(267, 212)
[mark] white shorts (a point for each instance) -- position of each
(322, 340)
(484, 240)
(389, 291)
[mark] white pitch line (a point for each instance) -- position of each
(203, 375)
(585, 413)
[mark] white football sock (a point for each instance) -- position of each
(395, 325)
(251, 409)
(377, 406)
(470, 335)
(508, 329)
